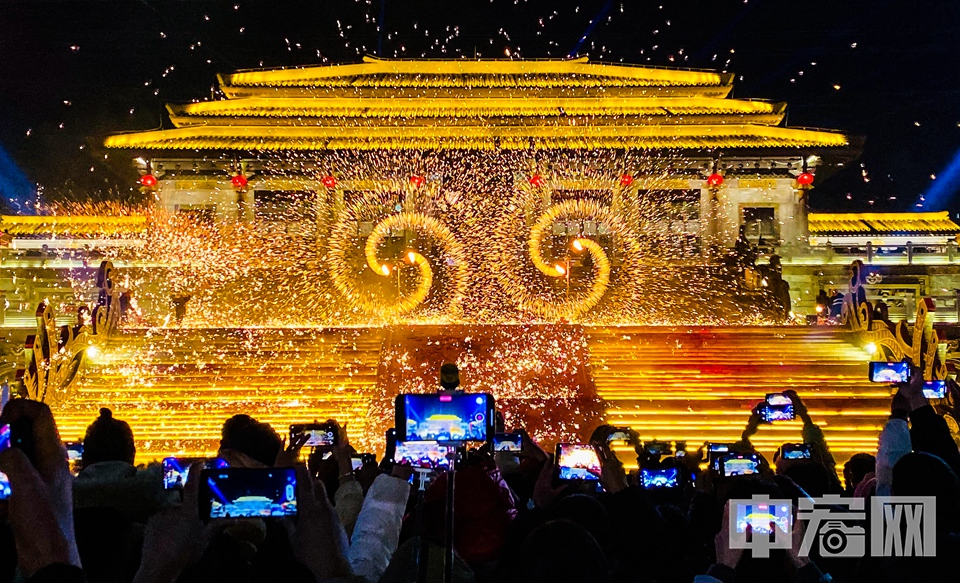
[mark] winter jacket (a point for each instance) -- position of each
(894, 444)
(138, 494)
(377, 532)
(347, 501)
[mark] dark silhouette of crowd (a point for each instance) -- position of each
(512, 519)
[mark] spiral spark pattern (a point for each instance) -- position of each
(368, 300)
(563, 306)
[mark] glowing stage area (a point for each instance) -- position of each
(176, 387)
(589, 242)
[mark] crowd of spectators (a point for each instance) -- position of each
(513, 520)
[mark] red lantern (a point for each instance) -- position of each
(148, 180)
(626, 180)
(537, 180)
(714, 180)
(239, 181)
(417, 180)
(328, 181)
(805, 179)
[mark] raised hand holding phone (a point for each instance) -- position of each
(316, 536)
(176, 537)
(41, 501)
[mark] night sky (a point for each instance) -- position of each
(74, 71)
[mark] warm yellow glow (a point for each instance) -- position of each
(344, 276)
(559, 270)
(482, 135)
(871, 223)
(477, 73)
(73, 225)
(870, 348)
(577, 245)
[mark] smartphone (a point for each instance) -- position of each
(318, 434)
(508, 442)
(358, 460)
(714, 451)
(74, 455)
(176, 470)
(4, 437)
(21, 437)
(578, 461)
(935, 389)
(424, 454)
(445, 417)
(618, 435)
(663, 478)
(391, 448)
(740, 465)
(778, 407)
(890, 372)
(661, 448)
(795, 451)
(4, 487)
(763, 518)
(248, 493)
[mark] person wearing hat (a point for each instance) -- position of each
(108, 478)
(449, 376)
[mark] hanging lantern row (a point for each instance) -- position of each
(240, 181)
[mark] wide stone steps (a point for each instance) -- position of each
(176, 387)
(700, 385)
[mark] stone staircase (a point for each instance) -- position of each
(699, 385)
(176, 387)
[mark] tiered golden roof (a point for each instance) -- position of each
(80, 226)
(460, 104)
(882, 224)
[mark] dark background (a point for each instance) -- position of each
(74, 71)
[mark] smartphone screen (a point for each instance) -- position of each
(778, 407)
(358, 460)
(663, 478)
(318, 434)
(423, 454)
(508, 442)
(4, 487)
(657, 448)
(795, 451)
(4, 437)
(714, 451)
(935, 389)
(618, 436)
(763, 518)
(445, 417)
(248, 493)
(74, 455)
(176, 470)
(578, 461)
(740, 465)
(890, 372)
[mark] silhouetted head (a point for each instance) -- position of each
(108, 439)
(858, 466)
(924, 474)
(449, 376)
(252, 438)
(561, 551)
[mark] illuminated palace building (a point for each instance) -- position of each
(532, 218)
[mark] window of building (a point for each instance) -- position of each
(761, 221)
